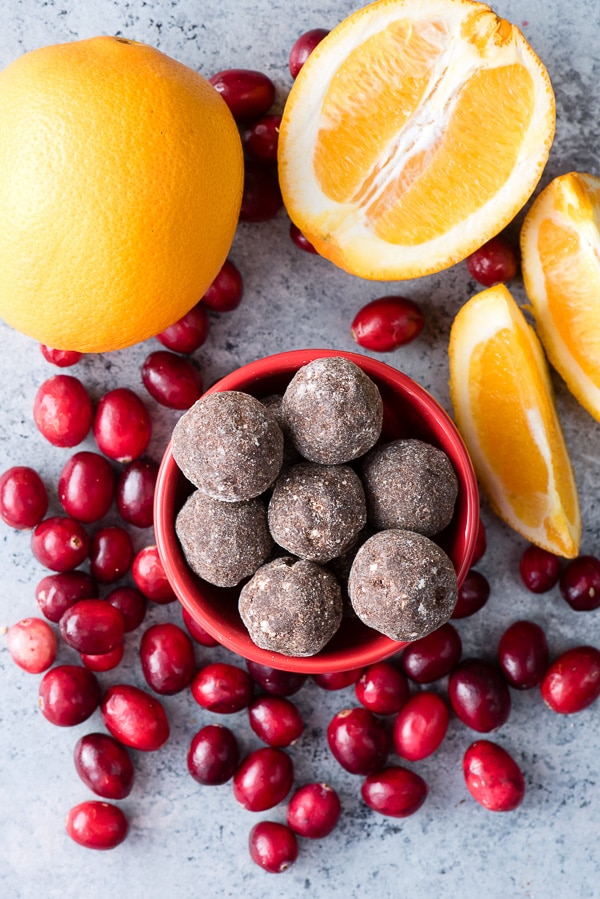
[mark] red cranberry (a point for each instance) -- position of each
(275, 681)
(572, 682)
(221, 687)
(473, 594)
(111, 554)
(32, 644)
(275, 720)
(92, 626)
(492, 776)
(263, 779)
(131, 603)
(261, 199)
(189, 333)
(337, 680)
(539, 569)
(314, 810)
(302, 242)
(249, 94)
(523, 654)
(60, 358)
(135, 717)
(303, 47)
(480, 543)
(261, 138)
(196, 630)
(104, 765)
(395, 791)
(580, 583)
(68, 695)
(387, 323)
(23, 497)
(226, 291)
(86, 486)
(213, 755)
(494, 262)
(122, 425)
(60, 543)
(150, 578)
(106, 661)
(63, 411)
(272, 846)
(432, 657)
(479, 695)
(167, 658)
(171, 380)
(420, 726)
(56, 593)
(135, 492)
(358, 740)
(97, 825)
(382, 688)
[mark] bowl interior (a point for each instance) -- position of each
(409, 411)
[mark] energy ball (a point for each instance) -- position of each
(291, 606)
(402, 584)
(409, 484)
(229, 446)
(273, 402)
(316, 511)
(223, 543)
(333, 411)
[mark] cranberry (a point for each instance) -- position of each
(60, 543)
(86, 486)
(494, 262)
(275, 681)
(492, 776)
(106, 661)
(131, 603)
(382, 688)
(261, 198)
(275, 720)
(68, 695)
(92, 626)
(63, 411)
(523, 654)
(23, 497)
(167, 658)
(273, 846)
(580, 583)
(480, 543)
(122, 425)
(32, 644)
(421, 726)
(189, 333)
(261, 138)
(171, 380)
(337, 680)
(134, 717)
(303, 47)
(302, 242)
(572, 682)
(432, 657)
(358, 740)
(104, 765)
(387, 323)
(539, 569)
(213, 755)
(473, 594)
(111, 554)
(479, 695)
(263, 779)
(314, 810)
(226, 291)
(60, 358)
(135, 492)
(196, 630)
(97, 825)
(249, 94)
(56, 593)
(395, 791)
(150, 578)
(221, 687)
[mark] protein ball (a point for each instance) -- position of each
(409, 484)
(333, 411)
(291, 606)
(223, 543)
(316, 511)
(402, 584)
(273, 402)
(229, 445)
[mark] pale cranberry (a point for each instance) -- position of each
(167, 658)
(303, 47)
(104, 765)
(272, 846)
(479, 695)
(387, 323)
(196, 630)
(60, 543)
(275, 720)
(580, 583)
(171, 380)
(68, 695)
(60, 358)
(539, 569)
(97, 825)
(572, 682)
(473, 594)
(337, 680)
(432, 657)
(358, 740)
(314, 810)
(420, 726)
(223, 688)
(149, 576)
(106, 661)
(523, 654)
(111, 554)
(395, 792)
(226, 291)
(56, 593)
(23, 497)
(86, 486)
(131, 603)
(382, 688)
(263, 779)
(248, 93)
(92, 626)
(63, 411)
(492, 776)
(32, 644)
(261, 138)
(493, 263)
(480, 543)
(213, 755)
(122, 425)
(274, 680)
(189, 333)
(135, 492)
(302, 242)
(261, 198)
(135, 717)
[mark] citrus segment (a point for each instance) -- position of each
(504, 408)
(560, 248)
(414, 132)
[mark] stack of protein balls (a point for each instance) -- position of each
(298, 493)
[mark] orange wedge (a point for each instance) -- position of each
(415, 131)
(560, 248)
(504, 408)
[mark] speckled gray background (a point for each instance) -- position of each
(190, 842)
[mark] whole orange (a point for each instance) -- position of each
(121, 175)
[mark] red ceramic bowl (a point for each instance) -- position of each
(409, 411)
